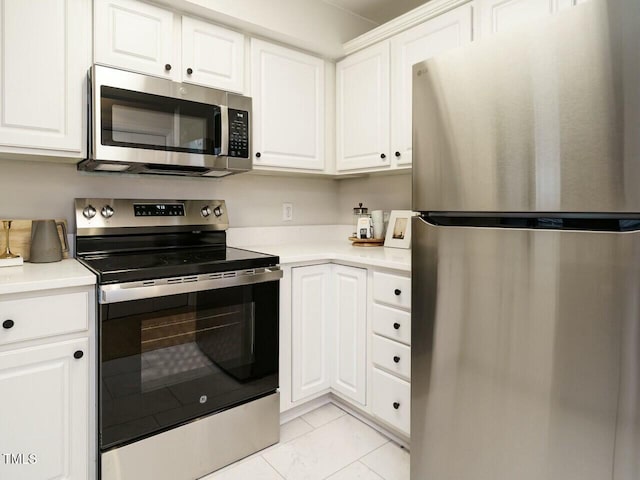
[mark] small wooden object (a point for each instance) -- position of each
(21, 238)
(367, 242)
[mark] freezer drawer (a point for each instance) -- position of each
(525, 354)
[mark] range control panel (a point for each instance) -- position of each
(238, 133)
(98, 216)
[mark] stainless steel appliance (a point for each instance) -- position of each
(142, 124)
(526, 253)
(187, 338)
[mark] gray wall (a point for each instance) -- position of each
(379, 192)
(46, 190)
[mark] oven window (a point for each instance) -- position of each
(167, 360)
(141, 120)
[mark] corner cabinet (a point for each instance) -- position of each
(328, 331)
(45, 55)
(288, 90)
(47, 425)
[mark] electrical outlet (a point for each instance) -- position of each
(287, 212)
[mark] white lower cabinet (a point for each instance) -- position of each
(310, 316)
(44, 405)
(328, 330)
(346, 332)
(391, 400)
(47, 413)
(349, 332)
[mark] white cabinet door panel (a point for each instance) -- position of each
(44, 60)
(502, 15)
(214, 54)
(448, 31)
(288, 93)
(135, 36)
(350, 331)
(310, 329)
(362, 109)
(44, 409)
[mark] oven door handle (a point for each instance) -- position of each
(124, 292)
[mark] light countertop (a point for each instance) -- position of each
(43, 276)
(338, 251)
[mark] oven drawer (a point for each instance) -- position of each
(392, 356)
(392, 289)
(43, 316)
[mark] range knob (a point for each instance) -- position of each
(107, 211)
(217, 212)
(89, 212)
(205, 211)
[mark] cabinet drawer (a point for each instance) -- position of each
(392, 356)
(43, 316)
(392, 289)
(392, 400)
(392, 323)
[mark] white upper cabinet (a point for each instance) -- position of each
(212, 56)
(44, 57)
(500, 15)
(143, 38)
(422, 42)
(135, 36)
(362, 109)
(288, 89)
(350, 332)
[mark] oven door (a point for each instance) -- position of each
(169, 359)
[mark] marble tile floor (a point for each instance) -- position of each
(324, 444)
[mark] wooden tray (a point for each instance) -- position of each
(367, 242)
(20, 237)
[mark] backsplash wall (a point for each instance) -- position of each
(30, 189)
(47, 190)
(377, 192)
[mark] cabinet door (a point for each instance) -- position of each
(44, 57)
(362, 109)
(212, 56)
(311, 314)
(288, 107)
(420, 43)
(135, 36)
(501, 15)
(349, 327)
(44, 405)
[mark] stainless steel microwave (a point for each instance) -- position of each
(147, 125)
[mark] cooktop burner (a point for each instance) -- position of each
(131, 267)
(130, 240)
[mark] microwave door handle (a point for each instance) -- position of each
(224, 131)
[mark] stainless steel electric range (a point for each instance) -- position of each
(187, 338)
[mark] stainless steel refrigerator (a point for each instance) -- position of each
(526, 253)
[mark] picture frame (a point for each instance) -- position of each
(399, 229)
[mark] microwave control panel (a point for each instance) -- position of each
(238, 133)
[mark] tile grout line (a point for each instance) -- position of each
(274, 468)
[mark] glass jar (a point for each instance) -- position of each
(358, 213)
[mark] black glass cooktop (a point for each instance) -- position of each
(137, 266)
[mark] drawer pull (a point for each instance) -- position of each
(396, 325)
(8, 324)
(78, 354)
(397, 291)
(396, 405)
(189, 71)
(396, 359)
(167, 67)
